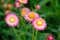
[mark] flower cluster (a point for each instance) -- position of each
(30, 16)
(33, 17)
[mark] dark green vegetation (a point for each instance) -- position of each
(50, 11)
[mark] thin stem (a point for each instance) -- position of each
(18, 26)
(24, 36)
(22, 22)
(32, 34)
(36, 34)
(59, 36)
(16, 34)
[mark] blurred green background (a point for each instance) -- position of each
(50, 11)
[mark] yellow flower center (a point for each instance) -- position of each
(31, 15)
(22, 0)
(39, 22)
(23, 12)
(12, 19)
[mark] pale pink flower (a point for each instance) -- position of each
(12, 20)
(31, 16)
(39, 23)
(17, 4)
(4, 5)
(24, 11)
(23, 1)
(38, 7)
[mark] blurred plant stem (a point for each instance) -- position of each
(33, 34)
(22, 21)
(25, 37)
(18, 26)
(59, 36)
(36, 34)
(18, 37)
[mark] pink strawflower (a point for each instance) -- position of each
(30, 16)
(50, 37)
(23, 1)
(39, 23)
(38, 7)
(24, 11)
(12, 20)
(17, 4)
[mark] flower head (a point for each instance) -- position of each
(39, 23)
(30, 16)
(23, 1)
(17, 4)
(12, 20)
(50, 37)
(24, 11)
(38, 7)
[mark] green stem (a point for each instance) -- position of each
(22, 22)
(18, 26)
(59, 36)
(16, 34)
(32, 34)
(24, 36)
(36, 34)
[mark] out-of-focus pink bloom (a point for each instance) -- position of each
(39, 23)
(50, 37)
(24, 11)
(38, 7)
(23, 1)
(4, 5)
(9, 6)
(17, 4)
